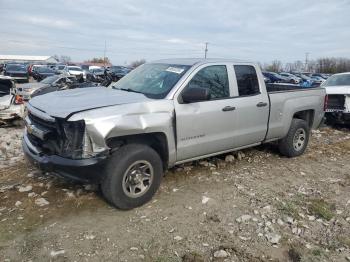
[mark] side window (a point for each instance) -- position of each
(247, 80)
(215, 79)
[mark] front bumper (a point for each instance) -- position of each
(83, 170)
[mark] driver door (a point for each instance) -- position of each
(206, 127)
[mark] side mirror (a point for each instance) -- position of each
(195, 94)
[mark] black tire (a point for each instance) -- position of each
(287, 147)
(116, 168)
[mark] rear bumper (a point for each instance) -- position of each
(83, 170)
(338, 117)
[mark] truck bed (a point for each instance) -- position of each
(286, 99)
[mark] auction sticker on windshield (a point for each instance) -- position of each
(175, 70)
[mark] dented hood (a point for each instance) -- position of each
(65, 103)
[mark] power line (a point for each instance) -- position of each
(306, 60)
(206, 49)
(104, 54)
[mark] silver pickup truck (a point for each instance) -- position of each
(162, 114)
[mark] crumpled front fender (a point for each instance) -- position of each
(155, 116)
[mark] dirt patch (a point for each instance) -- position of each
(263, 207)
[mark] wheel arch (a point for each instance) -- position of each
(306, 115)
(157, 140)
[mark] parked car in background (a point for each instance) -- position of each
(61, 69)
(266, 79)
(324, 76)
(10, 108)
(87, 68)
(162, 114)
(338, 90)
(308, 81)
(292, 78)
(97, 71)
(276, 78)
(33, 68)
(18, 72)
(318, 80)
(118, 72)
(77, 72)
(63, 83)
(42, 72)
(25, 91)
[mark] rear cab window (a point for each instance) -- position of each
(247, 80)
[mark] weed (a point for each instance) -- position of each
(344, 241)
(317, 252)
(321, 208)
(289, 208)
(295, 253)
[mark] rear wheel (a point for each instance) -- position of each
(295, 142)
(133, 176)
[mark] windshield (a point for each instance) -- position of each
(49, 80)
(15, 68)
(152, 80)
(61, 67)
(338, 80)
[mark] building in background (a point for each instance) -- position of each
(28, 59)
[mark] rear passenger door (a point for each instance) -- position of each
(252, 106)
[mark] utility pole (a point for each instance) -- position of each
(306, 60)
(104, 54)
(206, 49)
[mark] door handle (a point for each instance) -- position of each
(228, 108)
(261, 104)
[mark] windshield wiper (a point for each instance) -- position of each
(129, 90)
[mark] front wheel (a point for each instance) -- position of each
(295, 142)
(133, 175)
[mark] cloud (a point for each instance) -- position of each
(176, 41)
(42, 21)
(246, 29)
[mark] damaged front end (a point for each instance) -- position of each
(338, 109)
(62, 146)
(10, 109)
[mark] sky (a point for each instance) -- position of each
(253, 30)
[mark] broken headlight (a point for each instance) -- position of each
(72, 140)
(77, 144)
(90, 149)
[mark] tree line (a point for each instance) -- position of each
(328, 65)
(99, 60)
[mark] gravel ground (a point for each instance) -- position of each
(253, 205)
